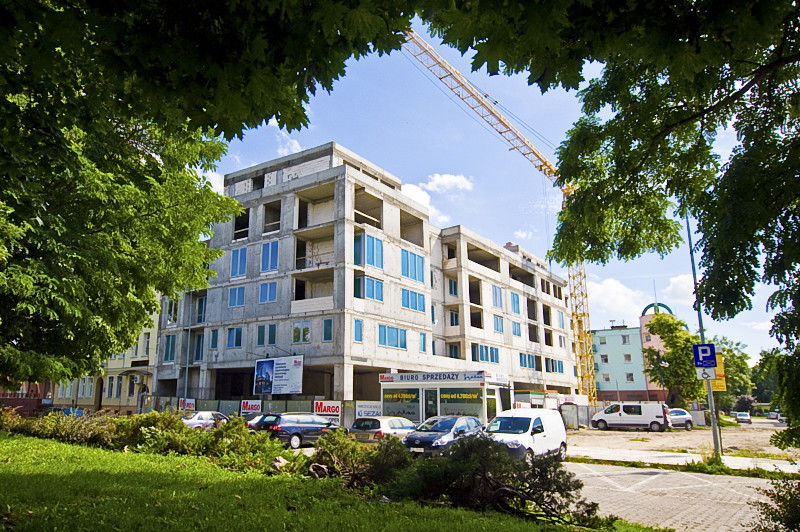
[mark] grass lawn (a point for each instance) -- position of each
(46, 485)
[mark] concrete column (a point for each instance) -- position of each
(205, 384)
(343, 382)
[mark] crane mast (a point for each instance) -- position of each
(450, 77)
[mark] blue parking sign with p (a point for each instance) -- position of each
(704, 356)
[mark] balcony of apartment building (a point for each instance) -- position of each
(316, 213)
(522, 276)
(412, 229)
(367, 209)
(312, 290)
(449, 257)
(484, 259)
(314, 237)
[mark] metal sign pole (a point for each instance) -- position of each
(709, 391)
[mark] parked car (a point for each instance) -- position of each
(437, 433)
(204, 419)
(530, 432)
(372, 429)
(681, 418)
(293, 428)
(772, 415)
(743, 417)
(781, 417)
(654, 417)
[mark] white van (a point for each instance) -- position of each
(654, 417)
(530, 432)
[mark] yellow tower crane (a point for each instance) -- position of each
(462, 88)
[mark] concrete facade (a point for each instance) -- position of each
(332, 262)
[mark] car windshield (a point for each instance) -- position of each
(190, 415)
(677, 412)
(742, 414)
(509, 425)
(437, 425)
(366, 424)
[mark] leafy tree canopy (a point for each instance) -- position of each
(673, 367)
(763, 375)
(737, 372)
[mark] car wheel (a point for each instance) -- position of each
(655, 426)
(562, 452)
(295, 441)
(602, 425)
(688, 425)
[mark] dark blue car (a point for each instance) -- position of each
(436, 434)
(294, 428)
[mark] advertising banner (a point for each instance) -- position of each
(461, 401)
(329, 409)
(278, 375)
(368, 408)
(186, 404)
(403, 402)
(249, 406)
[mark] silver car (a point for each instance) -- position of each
(681, 418)
(204, 419)
(372, 429)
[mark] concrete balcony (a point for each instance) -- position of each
(315, 304)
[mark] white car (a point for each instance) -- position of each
(681, 418)
(204, 419)
(372, 429)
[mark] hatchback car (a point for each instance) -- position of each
(436, 434)
(743, 417)
(293, 428)
(372, 429)
(204, 419)
(681, 418)
(772, 415)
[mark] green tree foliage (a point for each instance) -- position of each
(673, 368)
(673, 76)
(764, 379)
(104, 108)
(737, 372)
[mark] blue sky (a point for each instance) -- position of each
(392, 112)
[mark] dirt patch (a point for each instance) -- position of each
(753, 438)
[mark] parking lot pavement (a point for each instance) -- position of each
(673, 499)
(671, 457)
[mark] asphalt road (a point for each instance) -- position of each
(672, 499)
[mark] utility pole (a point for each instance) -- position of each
(709, 391)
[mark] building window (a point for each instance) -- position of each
(560, 316)
(433, 314)
(368, 288)
(198, 347)
(546, 314)
(368, 250)
(236, 296)
(110, 389)
(626, 339)
(172, 311)
(516, 328)
(358, 331)
(327, 330)
(423, 343)
(453, 318)
(238, 262)
(301, 332)
(602, 340)
(604, 359)
(553, 366)
(119, 386)
(268, 292)
(452, 351)
(201, 310)
(482, 353)
(627, 358)
(548, 337)
(261, 335)
(146, 344)
(646, 337)
(234, 337)
(545, 286)
(412, 300)
(82, 388)
(89, 386)
(498, 324)
(412, 266)
(514, 303)
(497, 297)
(272, 333)
(529, 361)
(391, 337)
(606, 377)
(131, 387)
(269, 256)
(629, 377)
(169, 348)
(212, 343)
(562, 341)
(452, 287)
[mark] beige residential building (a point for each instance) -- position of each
(331, 262)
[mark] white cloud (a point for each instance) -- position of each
(446, 182)
(758, 325)
(217, 181)
(519, 234)
(420, 196)
(680, 290)
(612, 300)
(286, 144)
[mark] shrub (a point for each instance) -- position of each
(389, 457)
(782, 511)
(339, 455)
(744, 403)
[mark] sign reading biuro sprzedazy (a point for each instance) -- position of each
(278, 375)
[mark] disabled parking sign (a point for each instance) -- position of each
(704, 356)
